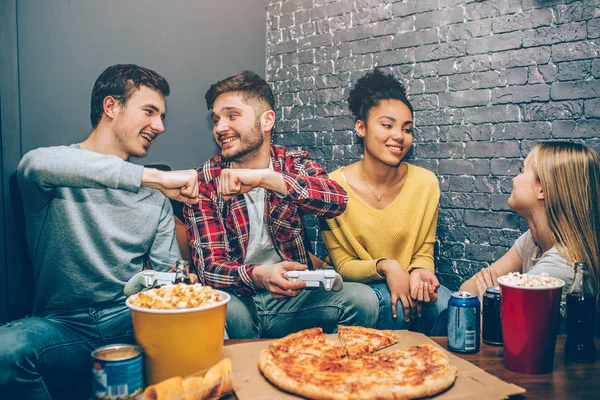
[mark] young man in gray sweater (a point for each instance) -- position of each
(93, 219)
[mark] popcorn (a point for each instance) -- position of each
(179, 296)
(542, 280)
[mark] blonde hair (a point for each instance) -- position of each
(570, 177)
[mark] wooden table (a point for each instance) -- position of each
(567, 381)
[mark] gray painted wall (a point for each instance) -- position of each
(486, 79)
(64, 45)
(59, 47)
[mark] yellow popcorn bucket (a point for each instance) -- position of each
(181, 341)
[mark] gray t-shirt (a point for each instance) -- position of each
(550, 262)
(90, 226)
(260, 246)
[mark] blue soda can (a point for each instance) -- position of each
(464, 313)
(117, 372)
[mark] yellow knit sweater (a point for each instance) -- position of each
(404, 230)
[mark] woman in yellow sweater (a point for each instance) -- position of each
(386, 236)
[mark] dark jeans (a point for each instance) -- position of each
(264, 316)
(50, 357)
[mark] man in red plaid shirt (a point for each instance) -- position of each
(246, 231)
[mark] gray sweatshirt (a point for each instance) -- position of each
(89, 225)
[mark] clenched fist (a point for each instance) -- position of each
(239, 181)
(177, 185)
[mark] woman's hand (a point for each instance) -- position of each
(423, 287)
(484, 279)
(398, 282)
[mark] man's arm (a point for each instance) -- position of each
(42, 170)
(232, 182)
(310, 188)
(176, 185)
(302, 182)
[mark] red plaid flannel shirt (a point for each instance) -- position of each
(218, 230)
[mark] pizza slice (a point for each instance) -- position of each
(358, 340)
(310, 342)
(311, 376)
(409, 373)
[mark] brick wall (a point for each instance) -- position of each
(486, 79)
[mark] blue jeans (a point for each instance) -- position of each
(50, 357)
(263, 316)
(427, 324)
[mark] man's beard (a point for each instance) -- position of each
(253, 140)
(128, 143)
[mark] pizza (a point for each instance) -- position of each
(309, 342)
(359, 341)
(309, 364)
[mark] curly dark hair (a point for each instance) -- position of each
(249, 84)
(121, 81)
(371, 89)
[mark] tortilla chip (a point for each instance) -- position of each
(164, 390)
(215, 384)
(219, 370)
(219, 376)
(194, 388)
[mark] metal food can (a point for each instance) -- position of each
(117, 372)
(491, 332)
(463, 322)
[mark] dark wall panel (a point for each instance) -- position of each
(10, 153)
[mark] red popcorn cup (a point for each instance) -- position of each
(529, 325)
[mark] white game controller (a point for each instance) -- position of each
(147, 280)
(330, 279)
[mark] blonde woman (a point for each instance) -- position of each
(386, 236)
(558, 195)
